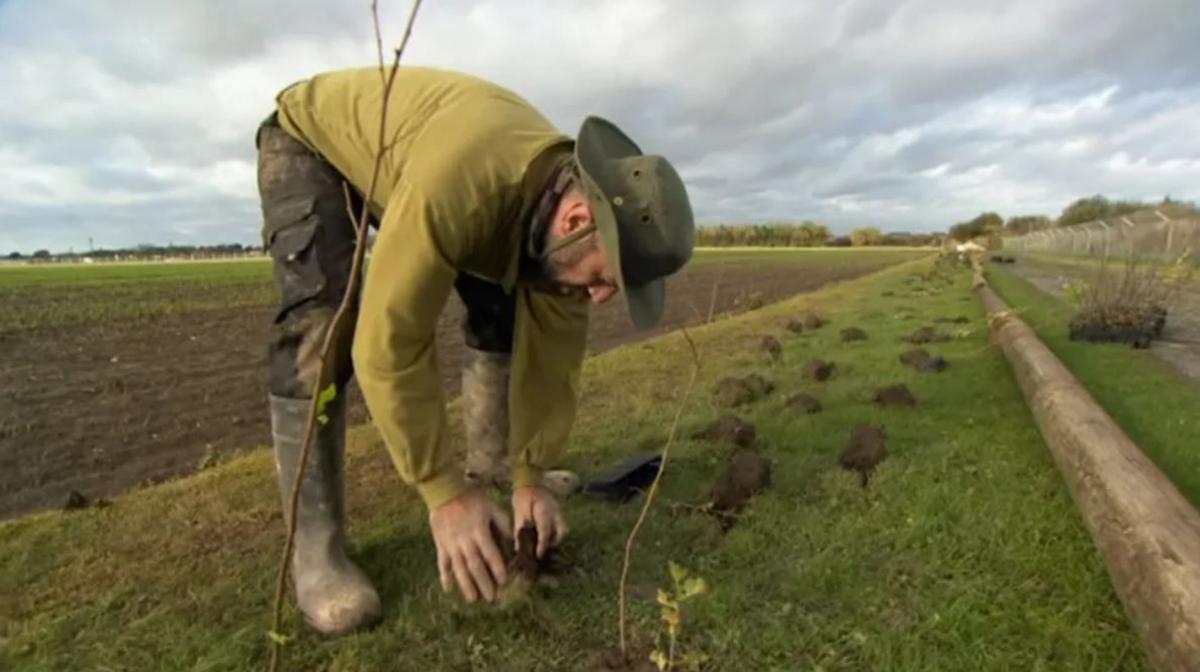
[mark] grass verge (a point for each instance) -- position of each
(965, 553)
(1152, 402)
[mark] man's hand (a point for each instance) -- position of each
(466, 548)
(536, 505)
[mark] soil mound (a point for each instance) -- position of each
(77, 501)
(760, 386)
(866, 449)
(817, 370)
(795, 326)
(936, 364)
(804, 403)
(853, 334)
(921, 360)
(927, 335)
(814, 321)
(747, 474)
(771, 346)
(895, 396)
(729, 429)
(738, 391)
(915, 357)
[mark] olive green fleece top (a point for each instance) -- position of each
(465, 164)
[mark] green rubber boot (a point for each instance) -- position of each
(335, 596)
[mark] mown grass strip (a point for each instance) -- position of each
(965, 552)
(1155, 405)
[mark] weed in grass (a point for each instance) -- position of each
(685, 586)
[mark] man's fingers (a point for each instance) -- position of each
(545, 527)
(502, 526)
(445, 569)
(560, 527)
(491, 555)
(479, 572)
(463, 576)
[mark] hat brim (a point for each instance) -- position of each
(600, 141)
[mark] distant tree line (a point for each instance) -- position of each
(1080, 211)
(804, 234)
(144, 252)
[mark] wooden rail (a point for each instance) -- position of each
(1146, 531)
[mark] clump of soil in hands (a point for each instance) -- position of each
(525, 562)
(853, 334)
(927, 335)
(817, 370)
(795, 326)
(866, 449)
(524, 568)
(814, 321)
(729, 429)
(804, 403)
(895, 395)
(738, 391)
(747, 474)
(771, 346)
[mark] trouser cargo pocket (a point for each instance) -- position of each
(311, 239)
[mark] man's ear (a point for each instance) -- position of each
(578, 215)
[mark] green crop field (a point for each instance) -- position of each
(964, 553)
(55, 295)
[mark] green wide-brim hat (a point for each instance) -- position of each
(641, 210)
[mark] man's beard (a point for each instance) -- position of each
(555, 263)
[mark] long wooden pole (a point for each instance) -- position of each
(1146, 531)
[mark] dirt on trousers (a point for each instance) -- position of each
(102, 407)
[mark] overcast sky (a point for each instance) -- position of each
(131, 121)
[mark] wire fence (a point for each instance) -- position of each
(1159, 235)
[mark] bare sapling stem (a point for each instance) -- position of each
(650, 495)
(341, 324)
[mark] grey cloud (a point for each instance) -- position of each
(771, 109)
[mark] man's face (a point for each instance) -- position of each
(581, 264)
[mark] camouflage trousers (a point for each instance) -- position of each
(310, 238)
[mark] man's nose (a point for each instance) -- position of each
(601, 293)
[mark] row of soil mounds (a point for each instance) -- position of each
(748, 470)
